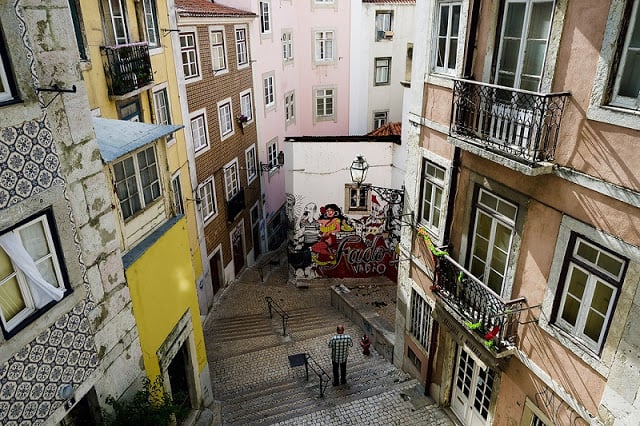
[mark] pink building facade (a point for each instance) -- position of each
(518, 300)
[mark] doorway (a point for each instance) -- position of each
(179, 382)
(237, 247)
(473, 386)
(215, 267)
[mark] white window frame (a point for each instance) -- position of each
(431, 179)
(151, 23)
(448, 38)
(207, 199)
(231, 179)
(380, 118)
(176, 189)
(269, 90)
(52, 255)
(322, 94)
(5, 87)
(420, 320)
(199, 140)
(289, 108)
(192, 53)
(251, 163)
(242, 46)
(225, 119)
(265, 17)
(162, 108)
(118, 17)
(246, 105)
(497, 218)
(595, 276)
(382, 71)
(324, 42)
(287, 46)
(155, 185)
(272, 154)
(217, 44)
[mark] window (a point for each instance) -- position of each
(163, 114)
(78, 28)
(251, 163)
(137, 182)
(272, 153)
(287, 46)
(324, 103)
(199, 132)
(357, 198)
(432, 190)
(129, 111)
(242, 52)
(207, 199)
(591, 279)
(176, 186)
(626, 89)
(118, 22)
(420, 319)
(218, 54)
(225, 116)
(31, 273)
(493, 232)
(411, 355)
(5, 73)
(324, 46)
(231, 179)
(379, 119)
(269, 91)
(265, 17)
(446, 37)
(289, 108)
(523, 43)
(382, 71)
(151, 22)
(189, 53)
(384, 22)
(246, 106)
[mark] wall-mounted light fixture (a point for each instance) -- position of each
(358, 170)
(266, 167)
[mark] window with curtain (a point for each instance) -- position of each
(137, 181)
(151, 22)
(382, 71)
(218, 54)
(31, 273)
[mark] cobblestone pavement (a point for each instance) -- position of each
(254, 383)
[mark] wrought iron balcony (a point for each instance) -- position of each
(517, 124)
(483, 312)
(127, 68)
(235, 205)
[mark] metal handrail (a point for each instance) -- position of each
(319, 371)
(273, 306)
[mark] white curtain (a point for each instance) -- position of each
(41, 291)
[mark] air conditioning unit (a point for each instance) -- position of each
(388, 34)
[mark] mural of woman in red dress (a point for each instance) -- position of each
(331, 222)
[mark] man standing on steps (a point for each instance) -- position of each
(339, 345)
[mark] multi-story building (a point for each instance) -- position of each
(517, 300)
(218, 104)
(128, 63)
(381, 50)
(69, 339)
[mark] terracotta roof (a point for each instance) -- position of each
(205, 8)
(388, 129)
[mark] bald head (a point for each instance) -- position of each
(340, 329)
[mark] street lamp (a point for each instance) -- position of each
(358, 170)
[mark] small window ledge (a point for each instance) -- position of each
(615, 116)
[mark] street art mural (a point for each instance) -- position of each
(324, 242)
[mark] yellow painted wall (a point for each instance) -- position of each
(161, 283)
(164, 68)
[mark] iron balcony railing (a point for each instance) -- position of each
(235, 205)
(127, 67)
(484, 313)
(516, 123)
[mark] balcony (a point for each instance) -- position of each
(235, 205)
(492, 321)
(127, 69)
(514, 127)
